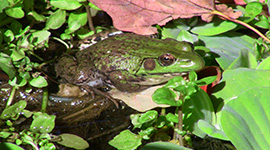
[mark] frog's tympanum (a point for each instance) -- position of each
(129, 63)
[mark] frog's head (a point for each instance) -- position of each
(169, 62)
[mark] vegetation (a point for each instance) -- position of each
(237, 111)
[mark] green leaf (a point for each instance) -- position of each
(42, 123)
(246, 119)
(146, 133)
(166, 96)
(265, 64)
(39, 82)
(184, 35)
(10, 146)
(8, 36)
(246, 60)
(15, 12)
(73, 141)
(7, 66)
(228, 46)
(175, 82)
(37, 16)
(171, 117)
(254, 8)
(56, 20)
(83, 33)
(39, 37)
(76, 20)
(93, 6)
(148, 117)
(126, 140)
(239, 80)
(199, 106)
(214, 28)
(66, 4)
(4, 134)
(211, 130)
(135, 120)
(17, 81)
(17, 55)
(192, 76)
(206, 80)
(14, 110)
(263, 22)
(163, 146)
(4, 4)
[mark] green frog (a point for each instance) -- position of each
(129, 63)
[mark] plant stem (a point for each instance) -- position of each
(12, 94)
(89, 18)
(44, 100)
(180, 125)
(242, 23)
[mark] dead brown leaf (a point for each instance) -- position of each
(228, 11)
(139, 15)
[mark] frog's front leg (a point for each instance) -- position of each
(124, 81)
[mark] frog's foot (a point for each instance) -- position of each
(99, 92)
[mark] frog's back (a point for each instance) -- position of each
(120, 52)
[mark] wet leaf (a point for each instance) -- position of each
(13, 110)
(42, 123)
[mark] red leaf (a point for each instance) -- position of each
(210, 71)
(139, 15)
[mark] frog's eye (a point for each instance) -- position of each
(166, 59)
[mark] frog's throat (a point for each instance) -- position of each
(158, 78)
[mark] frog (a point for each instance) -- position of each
(129, 63)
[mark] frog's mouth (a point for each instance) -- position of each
(159, 78)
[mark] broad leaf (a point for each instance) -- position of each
(199, 106)
(246, 119)
(228, 46)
